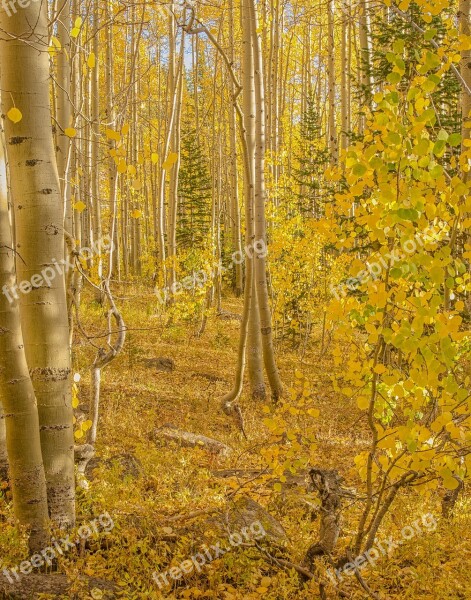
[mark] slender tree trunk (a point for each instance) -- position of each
(235, 208)
(3, 446)
(24, 68)
(19, 423)
(333, 141)
(345, 73)
(95, 143)
(364, 63)
(261, 282)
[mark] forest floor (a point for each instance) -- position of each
(160, 495)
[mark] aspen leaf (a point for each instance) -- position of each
(122, 166)
(70, 132)
(80, 206)
(171, 160)
(91, 60)
(78, 22)
(363, 402)
(113, 135)
(125, 129)
(96, 594)
(87, 425)
(15, 115)
(450, 483)
(75, 32)
(154, 158)
(78, 434)
(132, 170)
(136, 214)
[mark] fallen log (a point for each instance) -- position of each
(190, 440)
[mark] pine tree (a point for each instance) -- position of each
(313, 159)
(194, 193)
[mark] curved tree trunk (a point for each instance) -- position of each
(24, 65)
(261, 283)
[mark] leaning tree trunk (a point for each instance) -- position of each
(24, 67)
(19, 421)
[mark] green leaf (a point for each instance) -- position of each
(394, 77)
(455, 139)
(430, 34)
(408, 214)
(359, 170)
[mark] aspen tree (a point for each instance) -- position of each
(39, 221)
(64, 107)
(19, 422)
(261, 283)
(333, 141)
(345, 73)
(95, 144)
(364, 66)
(234, 185)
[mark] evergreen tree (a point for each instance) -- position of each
(194, 193)
(312, 160)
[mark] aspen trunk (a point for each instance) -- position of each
(64, 109)
(345, 73)
(3, 446)
(364, 66)
(333, 142)
(261, 282)
(24, 65)
(235, 208)
(19, 423)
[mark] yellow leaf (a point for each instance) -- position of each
(79, 206)
(450, 483)
(154, 158)
(132, 170)
(15, 115)
(113, 135)
(91, 61)
(70, 132)
(122, 166)
(363, 402)
(136, 214)
(125, 129)
(78, 434)
(171, 160)
(75, 32)
(86, 425)
(78, 22)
